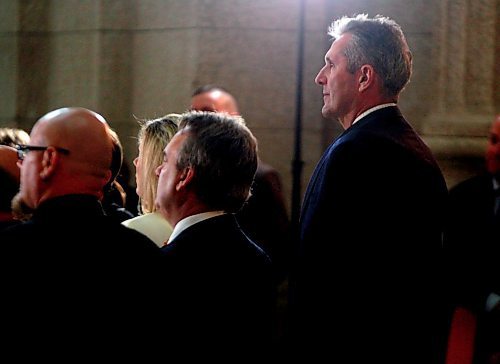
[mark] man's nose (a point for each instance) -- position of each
(320, 78)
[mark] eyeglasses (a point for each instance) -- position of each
(23, 149)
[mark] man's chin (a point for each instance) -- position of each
(326, 112)
(20, 210)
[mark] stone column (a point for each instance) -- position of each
(464, 105)
(9, 24)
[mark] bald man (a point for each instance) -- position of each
(472, 243)
(214, 98)
(74, 269)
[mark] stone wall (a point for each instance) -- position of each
(141, 59)
(465, 85)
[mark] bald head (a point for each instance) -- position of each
(83, 132)
(215, 100)
(84, 169)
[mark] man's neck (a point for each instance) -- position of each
(365, 105)
(372, 109)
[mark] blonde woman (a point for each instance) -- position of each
(153, 137)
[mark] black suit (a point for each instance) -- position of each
(265, 220)
(472, 244)
(367, 280)
(77, 283)
(221, 287)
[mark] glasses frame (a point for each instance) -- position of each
(23, 149)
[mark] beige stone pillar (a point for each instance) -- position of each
(8, 62)
(464, 105)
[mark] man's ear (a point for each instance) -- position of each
(185, 178)
(50, 160)
(366, 77)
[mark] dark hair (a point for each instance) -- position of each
(223, 153)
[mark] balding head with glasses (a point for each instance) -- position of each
(70, 152)
(70, 265)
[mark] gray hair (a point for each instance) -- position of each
(380, 42)
(223, 153)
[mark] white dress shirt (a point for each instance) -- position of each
(191, 220)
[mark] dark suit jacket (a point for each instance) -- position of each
(264, 219)
(75, 282)
(472, 246)
(472, 242)
(221, 288)
(370, 247)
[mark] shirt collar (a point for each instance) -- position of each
(369, 111)
(191, 220)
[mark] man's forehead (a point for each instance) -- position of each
(339, 44)
(175, 142)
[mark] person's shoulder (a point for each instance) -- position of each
(244, 245)
(358, 142)
(129, 238)
(478, 182)
(264, 167)
(153, 225)
(267, 175)
(133, 234)
(8, 223)
(133, 222)
(18, 228)
(258, 252)
(19, 237)
(141, 220)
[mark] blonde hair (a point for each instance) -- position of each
(13, 136)
(153, 137)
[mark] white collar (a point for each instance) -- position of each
(369, 111)
(191, 220)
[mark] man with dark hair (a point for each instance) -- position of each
(263, 217)
(219, 279)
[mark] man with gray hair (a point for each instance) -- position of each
(367, 283)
